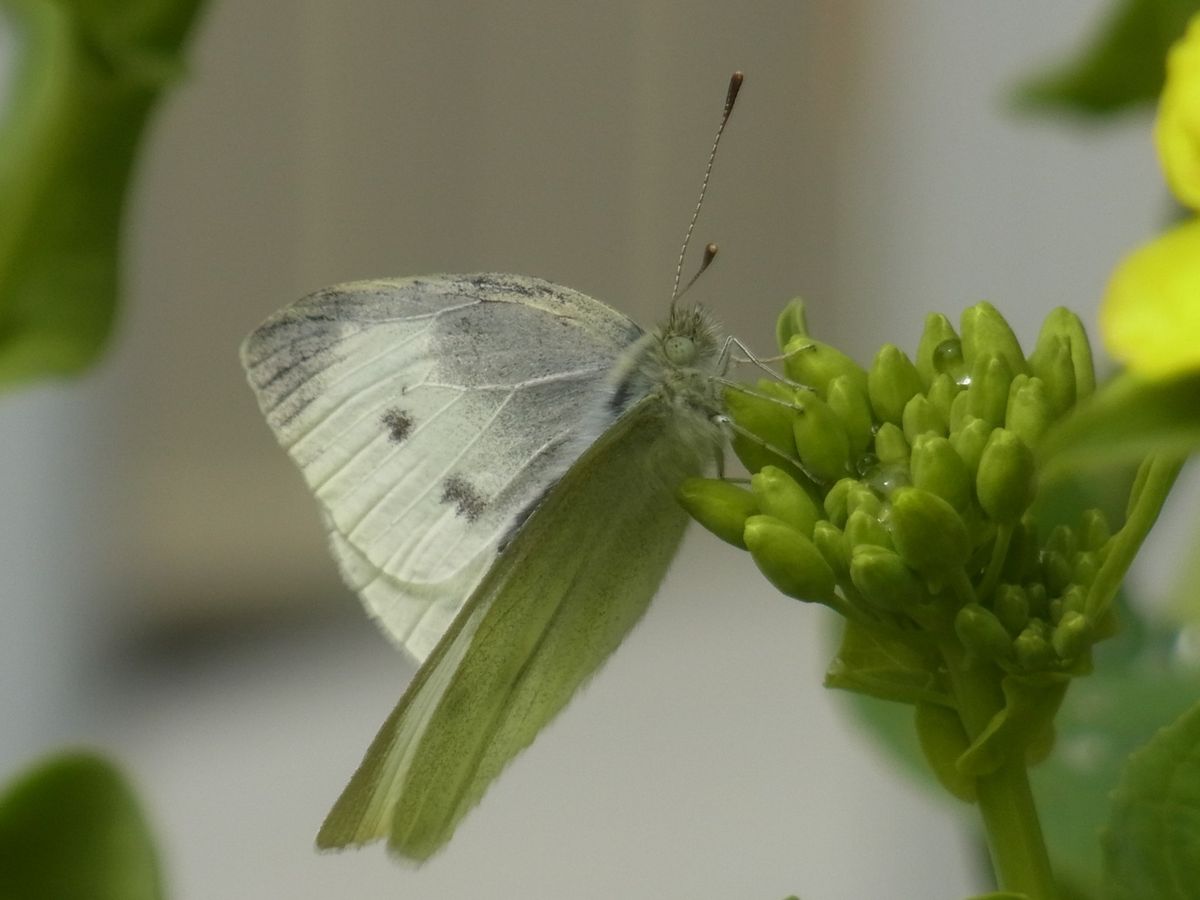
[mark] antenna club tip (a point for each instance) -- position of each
(735, 85)
(710, 250)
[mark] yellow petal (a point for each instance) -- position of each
(1151, 313)
(1177, 130)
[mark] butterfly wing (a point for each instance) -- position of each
(559, 599)
(428, 415)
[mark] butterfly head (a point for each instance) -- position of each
(689, 339)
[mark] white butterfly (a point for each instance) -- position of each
(496, 459)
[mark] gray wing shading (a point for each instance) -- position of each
(428, 416)
(560, 599)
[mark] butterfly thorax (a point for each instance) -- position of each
(675, 365)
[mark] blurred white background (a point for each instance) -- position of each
(166, 592)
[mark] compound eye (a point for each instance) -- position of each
(680, 350)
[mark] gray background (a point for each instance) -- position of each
(166, 592)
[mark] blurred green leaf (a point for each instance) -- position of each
(88, 76)
(1184, 599)
(72, 828)
(1152, 842)
(1125, 420)
(1106, 717)
(1122, 67)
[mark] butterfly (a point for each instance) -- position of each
(496, 459)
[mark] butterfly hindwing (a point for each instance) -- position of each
(448, 401)
(557, 602)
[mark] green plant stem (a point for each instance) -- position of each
(1155, 479)
(999, 554)
(1014, 832)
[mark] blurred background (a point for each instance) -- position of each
(166, 591)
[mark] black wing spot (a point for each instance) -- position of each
(398, 423)
(462, 494)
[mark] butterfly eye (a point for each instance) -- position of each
(680, 350)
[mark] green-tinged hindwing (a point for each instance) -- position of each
(559, 599)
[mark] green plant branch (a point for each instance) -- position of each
(1154, 481)
(1006, 805)
(1014, 832)
(996, 565)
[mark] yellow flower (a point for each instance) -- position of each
(1177, 132)
(1151, 313)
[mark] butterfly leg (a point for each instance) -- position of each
(730, 425)
(726, 358)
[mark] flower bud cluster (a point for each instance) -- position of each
(900, 494)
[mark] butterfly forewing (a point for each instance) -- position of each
(428, 415)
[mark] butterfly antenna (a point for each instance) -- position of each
(710, 253)
(735, 85)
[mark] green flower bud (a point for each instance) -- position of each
(1056, 572)
(861, 497)
(769, 416)
(719, 506)
(891, 383)
(1074, 599)
(1029, 413)
(982, 633)
(864, 528)
(1063, 323)
(1039, 601)
(884, 580)
(969, 441)
(790, 560)
(960, 411)
(1072, 635)
(929, 535)
(831, 544)
(815, 364)
(792, 322)
(836, 504)
(1023, 562)
(821, 440)
(1084, 566)
(987, 396)
(1033, 649)
(937, 334)
(850, 404)
(936, 467)
(1006, 480)
(1052, 363)
(1094, 530)
(943, 741)
(1062, 539)
(891, 447)
(1012, 607)
(942, 393)
(986, 333)
(780, 496)
(921, 417)
(1056, 610)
